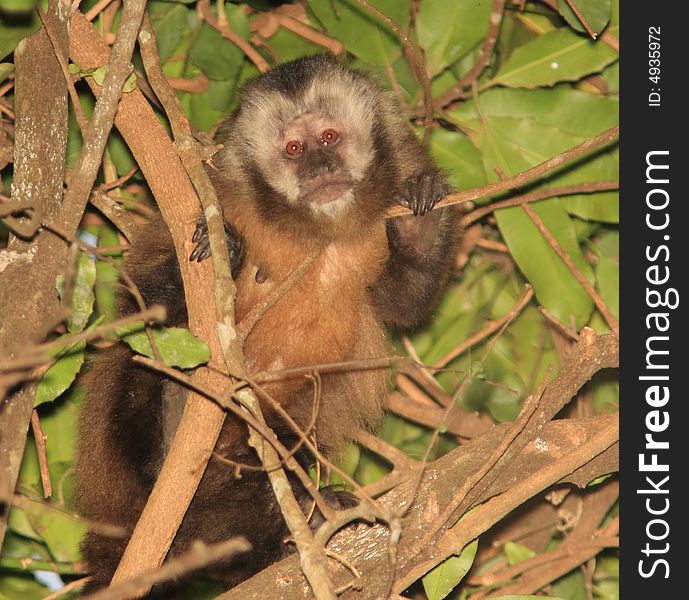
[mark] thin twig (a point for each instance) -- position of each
(247, 324)
(487, 330)
(69, 587)
(524, 177)
(489, 41)
(204, 8)
(580, 17)
(37, 355)
(417, 61)
(106, 187)
(40, 439)
(308, 33)
(82, 120)
(95, 10)
(559, 325)
(492, 245)
(578, 275)
(114, 212)
(535, 196)
(197, 557)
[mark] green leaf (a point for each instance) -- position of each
(17, 6)
(14, 28)
(572, 586)
(129, 84)
(526, 597)
(554, 285)
(216, 56)
(439, 582)
(107, 274)
(605, 390)
(5, 70)
(290, 46)
(559, 55)
(517, 553)
(61, 531)
(362, 33)
(599, 480)
(120, 154)
(98, 75)
(177, 346)
(596, 13)
(603, 207)
(608, 283)
(19, 523)
(61, 374)
(82, 294)
(21, 585)
(458, 157)
(449, 30)
(503, 404)
(574, 114)
(171, 24)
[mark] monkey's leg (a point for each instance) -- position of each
(422, 251)
(118, 454)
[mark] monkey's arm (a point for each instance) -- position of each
(154, 268)
(422, 252)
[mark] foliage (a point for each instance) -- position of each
(546, 88)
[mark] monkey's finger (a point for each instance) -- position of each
(201, 251)
(403, 199)
(200, 231)
(413, 184)
(426, 194)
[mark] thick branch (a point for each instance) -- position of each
(179, 207)
(28, 303)
(367, 548)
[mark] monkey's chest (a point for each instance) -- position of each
(317, 316)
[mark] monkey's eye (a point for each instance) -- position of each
(294, 148)
(329, 136)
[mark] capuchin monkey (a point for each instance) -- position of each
(312, 160)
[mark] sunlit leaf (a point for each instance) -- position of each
(448, 30)
(177, 346)
(362, 33)
(61, 374)
(596, 13)
(82, 294)
(559, 55)
(439, 582)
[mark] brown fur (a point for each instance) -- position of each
(370, 273)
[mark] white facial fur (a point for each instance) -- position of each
(335, 99)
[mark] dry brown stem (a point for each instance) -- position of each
(197, 557)
(520, 179)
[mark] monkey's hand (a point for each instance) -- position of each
(235, 244)
(421, 192)
(411, 235)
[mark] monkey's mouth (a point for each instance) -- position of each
(324, 192)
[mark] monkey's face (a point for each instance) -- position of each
(319, 160)
(312, 148)
(315, 161)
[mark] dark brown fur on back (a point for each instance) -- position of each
(370, 273)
